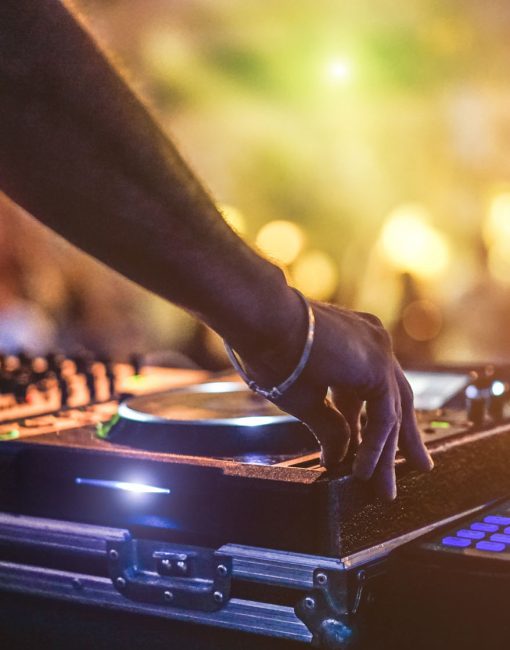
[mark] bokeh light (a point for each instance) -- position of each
(411, 245)
(282, 241)
(165, 51)
(422, 320)
(497, 223)
(498, 260)
(496, 234)
(315, 274)
(339, 71)
(332, 115)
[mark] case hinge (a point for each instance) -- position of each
(325, 612)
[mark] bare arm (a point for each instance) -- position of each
(81, 153)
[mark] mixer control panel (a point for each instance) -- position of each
(58, 392)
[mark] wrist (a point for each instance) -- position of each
(271, 340)
(277, 391)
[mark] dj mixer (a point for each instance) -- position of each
(182, 496)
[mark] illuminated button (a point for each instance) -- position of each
(494, 547)
(497, 519)
(12, 434)
(487, 528)
(456, 541)
(440, 424)
(471, 534)
(498, 537)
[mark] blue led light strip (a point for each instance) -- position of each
(124, 486)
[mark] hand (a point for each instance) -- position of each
(351, 355)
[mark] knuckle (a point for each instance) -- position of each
(381, 344)
(383, 339)
(385, 417)
(389, 420)
(370, 318)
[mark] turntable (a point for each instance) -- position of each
(228, 466)
(140, 494)
(218, 419)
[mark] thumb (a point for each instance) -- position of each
(330, 428)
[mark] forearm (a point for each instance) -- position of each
(80, 152)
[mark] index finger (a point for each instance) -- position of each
(385, 480)
(382, 418)
(349, 404)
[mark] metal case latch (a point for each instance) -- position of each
(325, 612)
(166, 574)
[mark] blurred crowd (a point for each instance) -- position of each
(362, 147)
(55, 298)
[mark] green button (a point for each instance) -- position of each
(10, 435)
(103, 428)
(440, 424)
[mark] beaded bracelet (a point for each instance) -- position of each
(276, 392)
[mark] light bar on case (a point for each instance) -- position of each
(123, 486)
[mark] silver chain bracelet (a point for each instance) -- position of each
(276, 392)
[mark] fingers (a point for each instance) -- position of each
(349, 404)
(382, 419)
(384, 479)
(391, 423)
(331, 430)
(410, 441)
